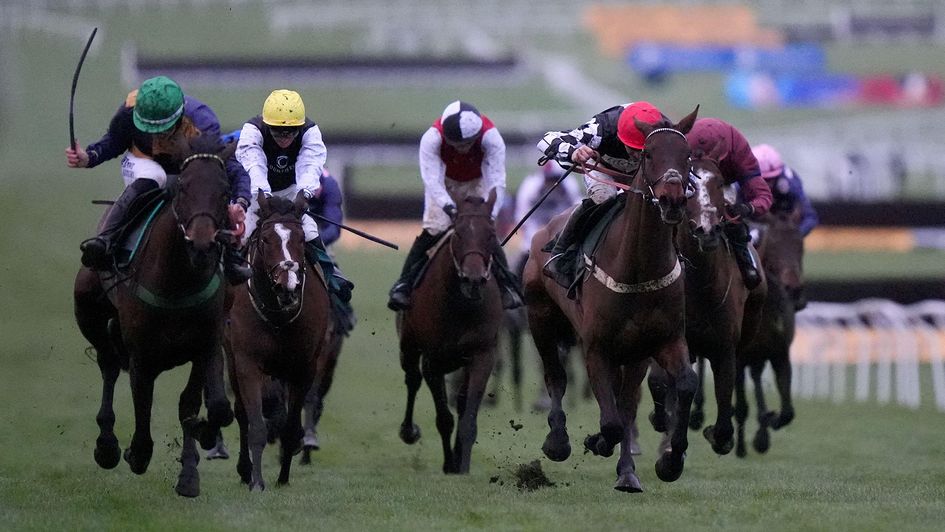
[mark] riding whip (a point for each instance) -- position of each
(75, 80)
(535, 206)
(358, 232)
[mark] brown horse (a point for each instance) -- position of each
(715, 303)
(631, 311)
(165, 312)
(454, 324)
(279, 323)
(781, 247)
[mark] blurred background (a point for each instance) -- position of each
(850, 91)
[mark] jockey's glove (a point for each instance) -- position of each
(740, 210)
(450, 210)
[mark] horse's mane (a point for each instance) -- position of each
(206, 144)
(280, 206)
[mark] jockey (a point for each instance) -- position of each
(462, 153)
(785, 186)
(720, 142)
(283, 152)
(612, 139)
(140, 129)
(533, 187)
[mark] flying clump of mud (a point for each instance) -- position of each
(530, 477)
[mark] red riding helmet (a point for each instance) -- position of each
(627, 131)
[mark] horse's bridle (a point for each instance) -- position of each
(260, 308)
(487, 257)
(649, 194)
(186, 223)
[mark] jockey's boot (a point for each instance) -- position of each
(416, 257)
(97, 251)
(316, 253)
(235, 268)
(740, 239)
(560, 266)
(509, 283)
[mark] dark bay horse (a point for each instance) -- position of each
(167, 311)
(279, 323)
(631, 309)
(781, 247)
(453, 324)
(715, 303)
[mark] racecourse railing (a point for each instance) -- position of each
(884, 343)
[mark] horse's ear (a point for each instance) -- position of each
(493, 196)
(643, 127)
(300, 204)
(263, 201)
(228, 150)
(687, 122)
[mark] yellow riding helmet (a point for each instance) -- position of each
(283, 108)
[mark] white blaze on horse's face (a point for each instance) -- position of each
(707, 211)
(290, 266)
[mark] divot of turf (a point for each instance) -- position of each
(530, 477)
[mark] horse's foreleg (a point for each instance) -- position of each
(741, 410)
(138, 454)
(477, 375)
(557, 446)
(781, 364)
(92, 315)
(720, 435)
(762, 439)
(249, 382)
(315, 399)
(658, 383)
(628, 400)
(674, 358)
(605, 379)
(697, 417)
(219, 411)
(188, 408)
(291, 438)
(515, 356)
(410, 362)
(444, 418)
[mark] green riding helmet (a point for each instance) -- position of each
(159, 105)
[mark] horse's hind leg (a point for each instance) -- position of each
(315, 398)
(628, 399)
(477, 375)
(674, 358)
(444, 418)
(697, 417)
(762, 439)
(720, 434)
(544, 321)
(92, 314)
(249, 381)
(291, 438)
(188, 481)
(410, 362)
(138, 454)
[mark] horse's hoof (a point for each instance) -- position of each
(782, 420)
(310, 441)
(670, 467)
(762, 441)
(188, 484)
(628, 483)
(306, 457)
(410, 435)
(219, 451)
(768, 419)
(720, 446)
(658, 421)
(220, 413)
(635, 449)
(258, 488)
(138, 466)
(107, 452)
(557, 446)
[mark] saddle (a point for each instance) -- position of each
(434, 249)
(593, 224)
(135, 231)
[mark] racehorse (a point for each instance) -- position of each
(715, 303)
(165, 311)
(453, 324)
(279, 323)
(631, 311)
(781, 247)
